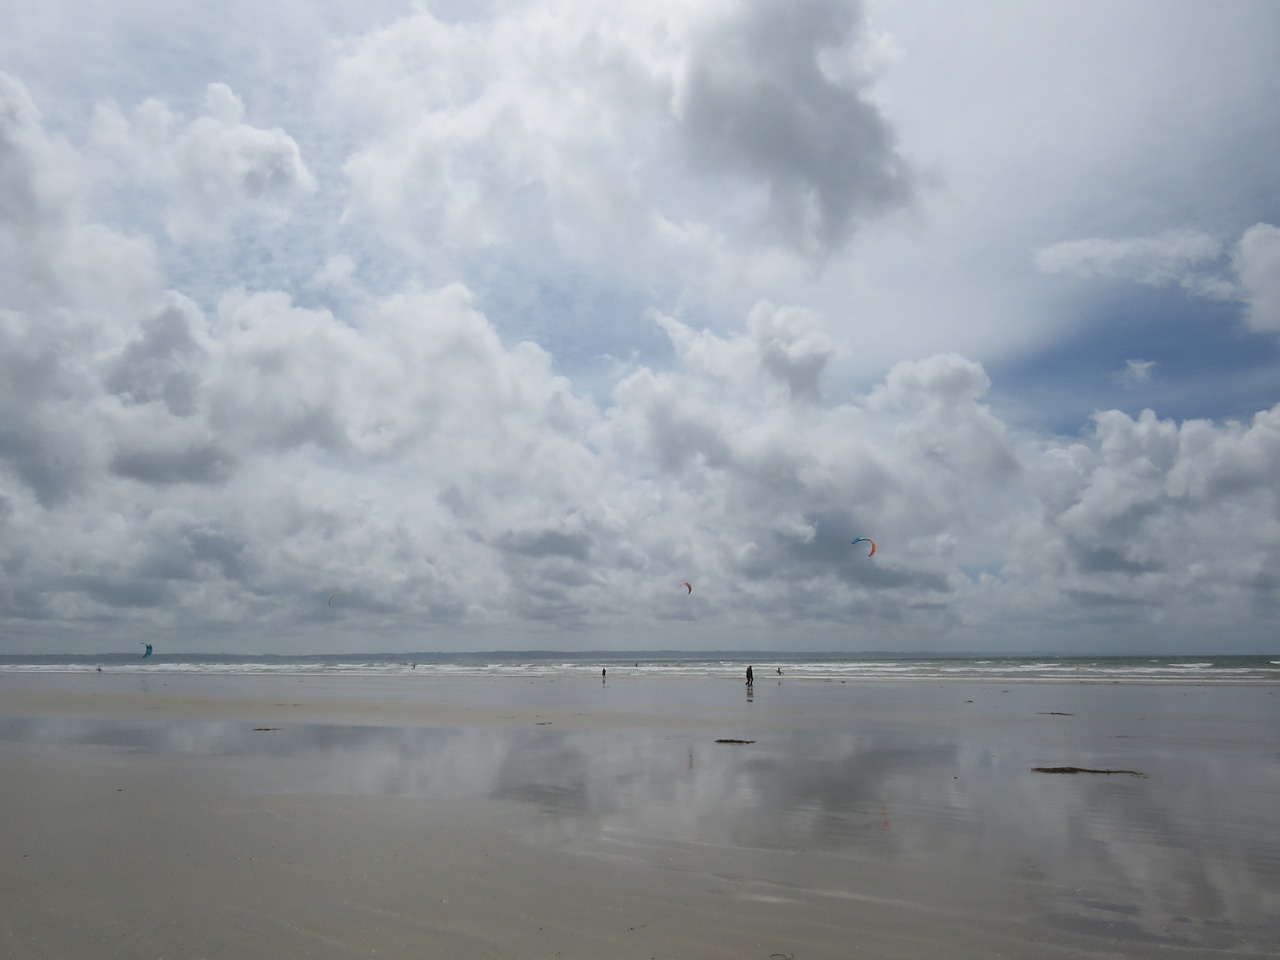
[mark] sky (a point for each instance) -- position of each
(502, 319)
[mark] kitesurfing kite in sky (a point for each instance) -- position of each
(687, 585)
(148, 651)
(870, 541)
(331, 596)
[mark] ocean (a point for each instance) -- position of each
(639, 664)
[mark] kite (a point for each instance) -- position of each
(870, 541)
(331, 596)
(148, 652)
(687, 585)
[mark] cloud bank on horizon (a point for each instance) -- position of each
(503, 320)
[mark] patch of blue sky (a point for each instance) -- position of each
(1203, 364)
(976, 572)
(586, 326)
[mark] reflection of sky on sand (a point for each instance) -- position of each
(795, 791)
(1188, 856)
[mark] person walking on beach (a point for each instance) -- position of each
(750, 679)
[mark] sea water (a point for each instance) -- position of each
(1196, 669)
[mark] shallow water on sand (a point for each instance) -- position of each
(931, 785)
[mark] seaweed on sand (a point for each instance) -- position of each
(1132, 773)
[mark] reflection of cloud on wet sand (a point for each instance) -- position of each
(1182, 858)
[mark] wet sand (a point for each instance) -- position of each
(337, 817)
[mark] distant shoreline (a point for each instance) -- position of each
(623, 667)
(619, 655)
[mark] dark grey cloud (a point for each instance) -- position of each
(1102, 599)
(49, 459)
(39, 440)
(794, 349)
(122, 589)
(181, 463)
(801, 373)
(1106, 558)
(758, 104)
(225, 552)
(186, 557)
(548, 542)
(19, 201)
(161, 364)
(682, 442)
(829, 553)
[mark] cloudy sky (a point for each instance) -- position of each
(501, 319)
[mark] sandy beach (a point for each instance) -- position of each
(257, 817)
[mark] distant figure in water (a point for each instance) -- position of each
(779, 671)
(603, 671)
(750, 677)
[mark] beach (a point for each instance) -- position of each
(315, 816)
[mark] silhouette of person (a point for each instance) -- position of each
(750, 678)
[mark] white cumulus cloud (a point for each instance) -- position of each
(214, 170)
(1257, 262)
(1173, 257)
(277, 327)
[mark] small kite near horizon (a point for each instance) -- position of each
(870, 541)
(146, 653)
(686, 584)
